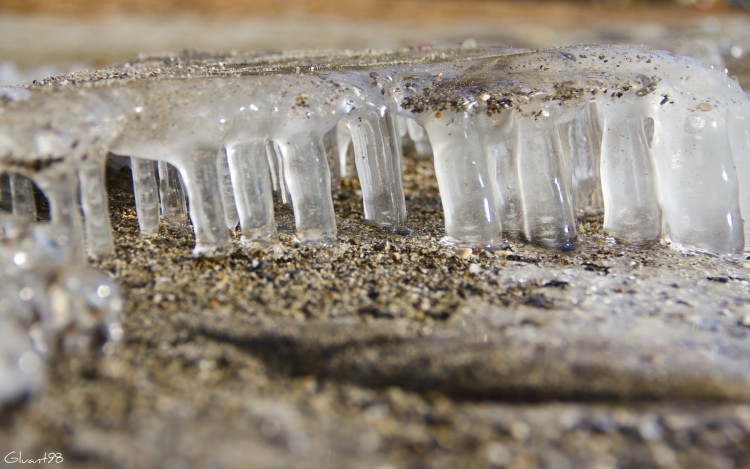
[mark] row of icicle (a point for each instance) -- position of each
(523, 141)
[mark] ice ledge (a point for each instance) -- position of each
(522, 142)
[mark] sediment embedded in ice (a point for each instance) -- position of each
(522, 141)
(50, 304)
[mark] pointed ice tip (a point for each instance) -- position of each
(560, 244)
(100, 252)
(271, 246)
(259, 241)
(315, 239)
(204, 250)
(566, 245)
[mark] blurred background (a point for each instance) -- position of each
(42, 37)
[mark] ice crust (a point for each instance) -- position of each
(523, 143)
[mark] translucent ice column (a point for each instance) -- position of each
(253, 193)
(172, 196)
(631, 205)
(739, 134)
(146, 193)
(471, 201)
(544, 181)
(199, 171)
(698, 185)
(582, 137)
(501, 147)
(378, 161)
(309, 182)
(227, 193)
(418, 137)
(95, 204)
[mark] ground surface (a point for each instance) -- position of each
(399, 351)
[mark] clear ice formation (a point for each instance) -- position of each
(50, 304)
(523, 142)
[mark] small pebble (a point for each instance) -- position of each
(463, 253)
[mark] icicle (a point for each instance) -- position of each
(343, 143)
(273, 161)
(22, 194)
(225, 188)
(739, 139)
(330, 144)
(248, 165)
(419, 137)
(95, 205)
(204, 197)
(146, 194)
(283, 186)
(378, 161)
(698, 185)
(61, 192)
(307, 176)
(414, 130)
(471, 200)
(396, 142)
(582, 138)
(503, 156)
(172, 197)
(631, 208)
(544, 182)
